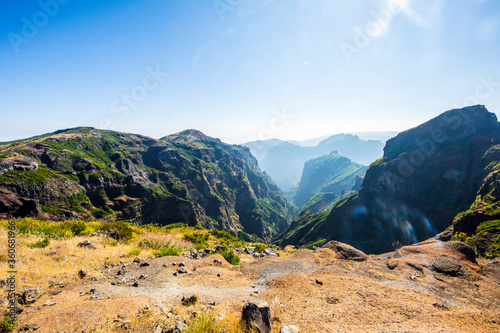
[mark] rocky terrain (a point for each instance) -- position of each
(427, 176)
(186, 177)
(432, 286)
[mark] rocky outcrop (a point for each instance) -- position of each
(12, 205)
(345, 251)
(186, 177)
(428, 174)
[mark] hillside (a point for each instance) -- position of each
(325, 179)
(186, 177)
(284, 160)
(427, 176)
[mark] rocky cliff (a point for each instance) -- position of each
(186, 177)
(326, 179)
(427, 175)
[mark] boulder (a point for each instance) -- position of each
(346, 251)
(271, 252)
(447, 265)
(257, 316)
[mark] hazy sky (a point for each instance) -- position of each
(243, 70)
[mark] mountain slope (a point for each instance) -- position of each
(326, 178)
(428, 174)
(186, 177)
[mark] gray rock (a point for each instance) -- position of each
(220, 248)
(191, 300)
(95, 297)
(82, 273)
(30, 295)
(257, 315)
(441, 306)
(250, 249)
(270, 252)
(447, 265)
(208, 250)
(180, 326)
(87, 245)
(289, 329)
(136, 260)
(182, 270)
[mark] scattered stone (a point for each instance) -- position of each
(208, 250)
(86, 244)
(180, 326)
(250, 249)
(187, 301)
(289, 329)
(122, 315)
(182, 270)
(135, 284)
(441, 306)
(49, 303)
(253, 286)
(136, 260)
(412, 277)
(220, 248)
(345, 251)
(30, 295)
(143, 276)
(391, 264)
(399, 321)
(332, 300)
(258, 255)
(211, 303)
(169, 314)
(175, 274)
(144, 264)
(217, 261)
(218, 274)
(319, 282)
(121, 271)
(164, 265)
(271, 252)
(95, 297)
(182, 264)
(82, 273)
(257, 315)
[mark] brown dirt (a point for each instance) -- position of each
(313, 290)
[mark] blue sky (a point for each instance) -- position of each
(244, 70)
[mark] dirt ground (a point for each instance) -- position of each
(428, 287)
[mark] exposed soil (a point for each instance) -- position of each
(314, 290)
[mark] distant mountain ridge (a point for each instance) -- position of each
(185, 177)
(284, 160)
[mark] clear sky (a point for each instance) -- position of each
(243, 70)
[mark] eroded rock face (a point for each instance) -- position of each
(18, 163)
(15, 206)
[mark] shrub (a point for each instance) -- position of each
(226, 238)
(125, 230)
(77, 227)
(164, 252)
(6, 325)
(231, 257)
(199, 239)
(175, 225)
(39, 244)
(319, 243)
(134, 251)
(204, 322)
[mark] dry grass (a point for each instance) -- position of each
(61, 260)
